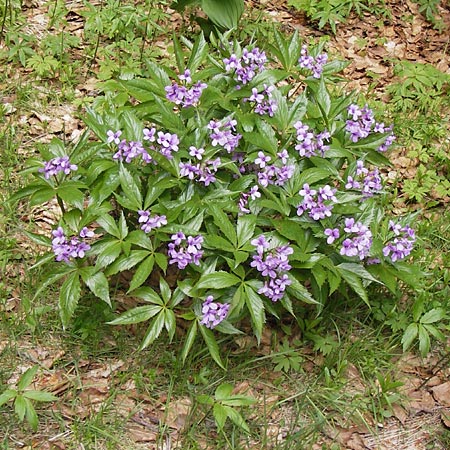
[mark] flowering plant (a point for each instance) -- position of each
(247, 178)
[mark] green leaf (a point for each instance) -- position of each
(130, 188)
(38, 239)
(165, 290)
(40, 396)
(226, 14)
(110, 251)
(127, 262)
(211, 343)
(218, 242)
(161, 261)
(245, 229)
(123, 227)
(237, 419)
(217, 280)
(30, 414)
(355, 283)
(98, 284)
(189, 341)
(170, 322)
(69, 296)
(424, 340)
(255, 306)
(142, 273)
(409, 335)
(27, 377)
(71, 195)
(298, 291)
(136, 315)
(138, 237)
(223, 223)
(433, 316)
(198, 53)
(220, 413)
(359, 270)
(7, 395)
(153, 330)
(109, 225)
(20, 407)
(149, 295)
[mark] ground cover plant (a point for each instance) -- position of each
(344, 349)
(222, 175)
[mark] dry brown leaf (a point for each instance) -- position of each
(441, 393)
(177, 413)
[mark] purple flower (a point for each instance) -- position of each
(222, 134)
(306, 61)
(168, 142)
(359, 240)
(213, 312)
(308, 143)
(362, 123)
(402, 244)
(314, 202)
(57, 165)
(247, 66)
(67, 248)
(150, 222)
(113, 136)
(332, 234)
(368, 182)
(274, 265)
(185, 250)
(196, 152)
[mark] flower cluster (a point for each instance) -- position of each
(205, 172)
(308, 143)
(213, 312)
(182, 95)
(185, 250)
(317, 202)
(273, 264)
(316, 64)
(245, 196)
(66, 248)
(401, 246)
(271, 174)
(150, 222)
(362, 123)
(263, 102)
(164, 143)
(369, 182)
(130, 150)
(222, 134)
(247, 66)
(57, 165)
(359, 240)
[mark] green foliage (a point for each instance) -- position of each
(24, 398)
(430, 9)
(224, 15)
(422, 88)
(334, 12)
(224, 405)
(115, 194)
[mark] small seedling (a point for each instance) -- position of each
(23, 398)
